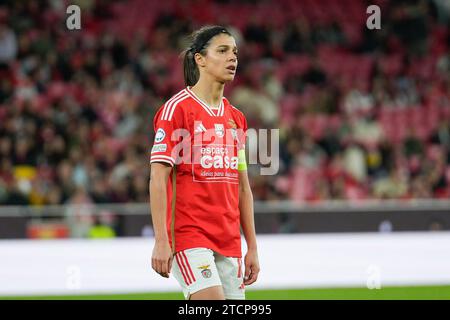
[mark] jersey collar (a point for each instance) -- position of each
(205, 106)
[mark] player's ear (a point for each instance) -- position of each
(199, 59)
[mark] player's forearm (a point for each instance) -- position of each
(158, 206)
(247, 217)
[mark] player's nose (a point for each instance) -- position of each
(231, 57)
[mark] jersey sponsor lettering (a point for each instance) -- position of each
(159, 148)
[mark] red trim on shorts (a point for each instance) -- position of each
(187, 262)
(181, 268)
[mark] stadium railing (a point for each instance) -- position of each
(133, 219)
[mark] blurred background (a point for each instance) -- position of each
(364, 115)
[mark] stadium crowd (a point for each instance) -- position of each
(362, 113)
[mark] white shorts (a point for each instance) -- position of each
(200, 268)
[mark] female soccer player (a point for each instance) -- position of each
(199, 190)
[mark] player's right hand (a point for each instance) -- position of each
(162, 258)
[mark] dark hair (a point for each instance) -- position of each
(198, 44)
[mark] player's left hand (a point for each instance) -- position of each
(251, 267)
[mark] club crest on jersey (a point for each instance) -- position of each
(232, 124)
(206, 272)
(220, 130)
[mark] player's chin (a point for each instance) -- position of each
(228, 78)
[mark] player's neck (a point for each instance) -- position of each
(210, 92)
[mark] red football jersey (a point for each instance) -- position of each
(203, 192)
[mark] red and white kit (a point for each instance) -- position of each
(202, 145)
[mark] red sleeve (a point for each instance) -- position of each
(165, 123)
(242, 128)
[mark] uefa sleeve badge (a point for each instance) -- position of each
(160, 135)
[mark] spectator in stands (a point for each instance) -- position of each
(101, 230)
(79, 213)
(8, 44)
(393, 186)
(441, 135)
(412, 145)
(298, 37)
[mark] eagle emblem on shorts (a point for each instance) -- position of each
(206, 272)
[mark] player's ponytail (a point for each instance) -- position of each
(199, 43)
(191, 73)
